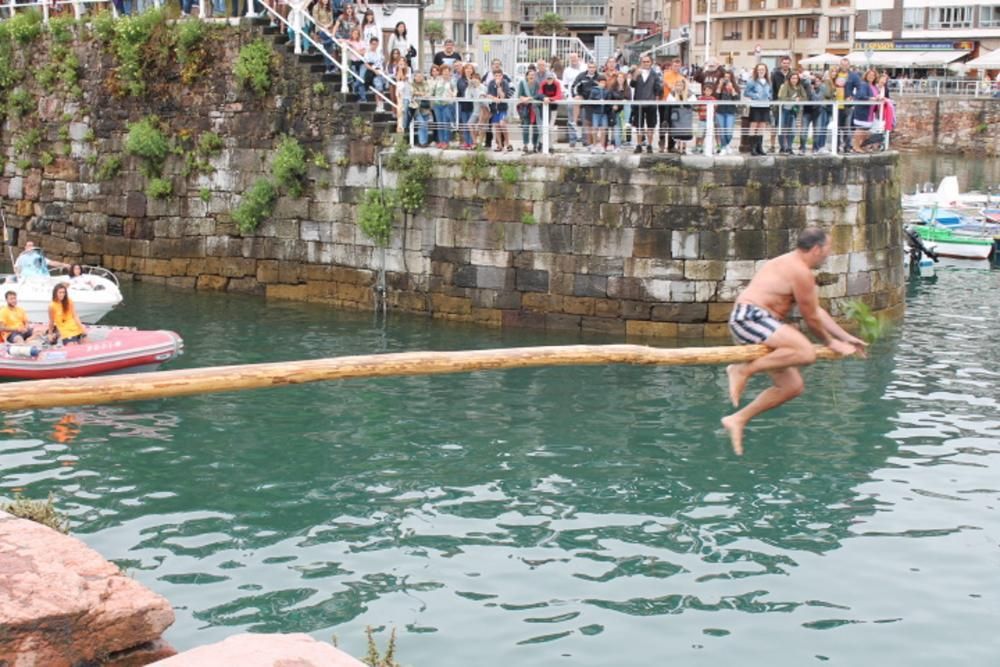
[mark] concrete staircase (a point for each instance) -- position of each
(316, 66)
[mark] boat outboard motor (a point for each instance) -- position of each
(917, 247)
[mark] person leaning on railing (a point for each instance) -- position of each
(725, 114)
(758, 94)
(420, 108)
(863, 114)
(322, 16)
(499, 91)
(791, 90)
(529, 111)
(817, 116)
(444, 111)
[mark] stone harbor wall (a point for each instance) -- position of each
(948, 125)
(624, 244)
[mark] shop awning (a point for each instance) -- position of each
(989, 60)
(906, 59)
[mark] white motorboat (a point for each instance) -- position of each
(94, 293)
(947, 195)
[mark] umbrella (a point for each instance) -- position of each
(989, 60)
(821, 59)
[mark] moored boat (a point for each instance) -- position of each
(105, 350)
(991, 214)
(949, 244)
(94, 293)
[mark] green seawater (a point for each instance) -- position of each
(585, 516)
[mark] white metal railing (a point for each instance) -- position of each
(944, 87)
(296, 23)
(831, 131)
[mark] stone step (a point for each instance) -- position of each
(269, 29)
(310, 58)
(279, 39)
(260, 20)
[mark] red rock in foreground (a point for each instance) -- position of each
(61, 603)
(297, 650)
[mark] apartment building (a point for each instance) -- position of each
(586, 19)
(460, 16)
(744, 32)
(926, 34)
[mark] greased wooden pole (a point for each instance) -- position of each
(166, 384)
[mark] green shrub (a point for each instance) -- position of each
(103, 25)
(253, 66)
(375, 215)
(27, 142)
(209, 143)
(23, 164)
(205, 195)
(159, 188)
(190, 48)
(145, 140)
(69, 70)
(46, 158)
(25, 26)
(39, 511)
(47, 76)
(131, 35)
(475, 166)
(257, 204)
(528, 219)
(109, 168)
(61, 29)
(63, 132)
(510, 174)
(319, 88)
(20, 102)
(289, 165)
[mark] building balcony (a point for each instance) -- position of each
(573, 12)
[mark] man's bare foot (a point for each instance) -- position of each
(737, 382)
(735, 428)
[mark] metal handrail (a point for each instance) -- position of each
(545, 128)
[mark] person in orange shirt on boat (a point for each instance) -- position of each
(64, 324)
(14, 325)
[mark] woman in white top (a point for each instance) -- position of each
(370, 28)
(400, 40)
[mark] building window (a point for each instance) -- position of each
(807, 28)
(784, 4)
(840, 29)
(989, 17)
(731, 31)
(874, 19)
(913, 18)
(951, 17)
(811, 4)
(732, 5)
(758, 4)
(772, 29)
(702, 7)
(787, 32)
(699, 33)
(493, 6)
(458, 32)
(840, 3)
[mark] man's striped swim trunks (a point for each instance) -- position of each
(751, 324)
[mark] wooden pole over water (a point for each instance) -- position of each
(167, 384)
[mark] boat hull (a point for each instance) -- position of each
(34, 294)
(106, 350)
(949, 244)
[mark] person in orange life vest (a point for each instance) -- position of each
(14, 325)
(64, 324)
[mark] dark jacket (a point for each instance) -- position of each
(725, 97)
(583, 83)
(777, 80)
(650, 89)
(491, 91)
(460, 87)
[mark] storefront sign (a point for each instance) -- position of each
(915, 46)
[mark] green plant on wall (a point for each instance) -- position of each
(871, 327)
(61, 29)
(20, 103)
(289, 165)
(375, 215)
(109, 167)
(147, 141)
(256, 205)
(25, 26)
(254, 65)
(190, 48)
(510, 174)
(26, 143)
(159, 188)
(475, 167)
(131, 34)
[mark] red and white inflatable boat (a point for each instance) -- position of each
(105, 350)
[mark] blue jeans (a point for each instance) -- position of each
(422, 124)
(358, 83)
(573, 132)
(819, 121)
(725, 123)
(444, 114)
(786, 136)
(463, 118)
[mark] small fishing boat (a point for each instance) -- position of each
(94, 293)
(104, 350)
(991, 214)
(949, 244)
(943, 216)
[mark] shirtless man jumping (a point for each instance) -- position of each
(757, 318)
